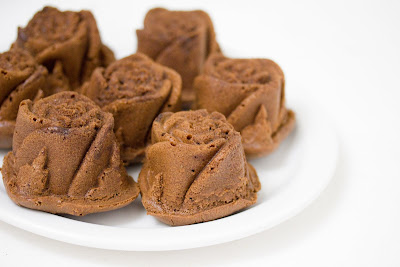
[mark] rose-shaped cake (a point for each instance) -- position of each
(68, 42)
(181, 40)
(65, 158)
(196, 169)
(20, 78)
(135, 90)
(251, 94)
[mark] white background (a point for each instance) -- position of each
(344, 55)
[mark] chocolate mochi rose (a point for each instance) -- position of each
(68, 42)
(65, 158)
(181, 40)
(196, 169)
(20, 78)
(251, 94)
(135, 90)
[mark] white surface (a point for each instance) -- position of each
(290, 181)
(345, 56)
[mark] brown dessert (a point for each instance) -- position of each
(181, 40)
(196, 169)
(65, 158)
(135, 90)
(20, 78)
(251, 94)
(67, 42)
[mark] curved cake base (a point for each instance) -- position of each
(204, 216)
(131, 156)
(78, 206)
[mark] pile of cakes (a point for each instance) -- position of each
(75, 117)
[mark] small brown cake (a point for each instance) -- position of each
(67, 42)
(181, 40)
(251, 94)
(65, 158)
(196, 169)
(20, 78)
(135, 90)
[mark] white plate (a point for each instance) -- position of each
(291, 179)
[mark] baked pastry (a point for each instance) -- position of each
(67, 41)
(20, 78)
(65, 158)
(135, 90)
(181, 40)
(195, 170)
(251, 94)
